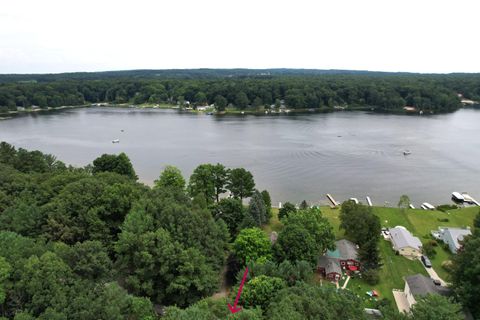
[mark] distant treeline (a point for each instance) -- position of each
(243, 89)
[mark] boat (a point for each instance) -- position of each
(407, 152)
(116, 141)
(428, 206)
(411, 206)
(458, 197)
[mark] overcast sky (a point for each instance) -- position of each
(38, 36)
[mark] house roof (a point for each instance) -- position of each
(422, 285)
(456, 235)
(330, 265)
(347, 249)
(402, 238)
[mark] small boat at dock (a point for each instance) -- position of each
(427, 206)
(116, 141)
(407, 152)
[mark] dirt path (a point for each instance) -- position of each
(224, 289)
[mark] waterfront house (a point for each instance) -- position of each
(404, 243)
(346, 253)
(453, 237)
(343, 258)
(418, 286)
(329, 268)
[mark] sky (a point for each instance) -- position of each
(50, 36)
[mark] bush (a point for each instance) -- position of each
(446, 207)
(429, 250)
(447, 265)
(371, 276)
(433, 243)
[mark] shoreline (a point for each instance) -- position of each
(232, 111)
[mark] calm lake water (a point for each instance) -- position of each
(295, 157)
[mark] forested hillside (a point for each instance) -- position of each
(244, 89)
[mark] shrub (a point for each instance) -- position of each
(429, 250)
(447, 265)
(446, 207)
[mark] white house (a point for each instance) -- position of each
(452, 236)
(405, 243)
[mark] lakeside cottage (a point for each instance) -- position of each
(417, 286)
(343, 258)
(404, 243)
(453, 237)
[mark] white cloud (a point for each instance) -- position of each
(418, 36)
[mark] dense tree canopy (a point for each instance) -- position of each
(315, 302)
(306, 236)
(436, 307)
(298, 89)
(111, 163)
(466, 274)
(171, 177)
(362, 227)
(252, 244)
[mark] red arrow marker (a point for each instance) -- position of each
(235, 309)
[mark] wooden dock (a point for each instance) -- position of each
(369, 201)
(335, 203)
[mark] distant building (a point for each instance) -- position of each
(409, 109)
(452, 236)
(404, 243)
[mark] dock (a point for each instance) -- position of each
(470, 199)
(335, 203)
(369, 201)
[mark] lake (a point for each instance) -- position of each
(295, 157)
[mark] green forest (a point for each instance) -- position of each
(244, 89)
(94, 243)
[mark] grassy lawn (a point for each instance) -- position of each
(394, 269)
(274, 224)
(333, 217)
(441, 256)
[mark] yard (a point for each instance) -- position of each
(395, 268)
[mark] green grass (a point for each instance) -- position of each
(274, 224)
(441, 256)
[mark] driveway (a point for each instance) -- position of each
(433, 274)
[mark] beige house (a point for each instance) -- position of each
(404, 243)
